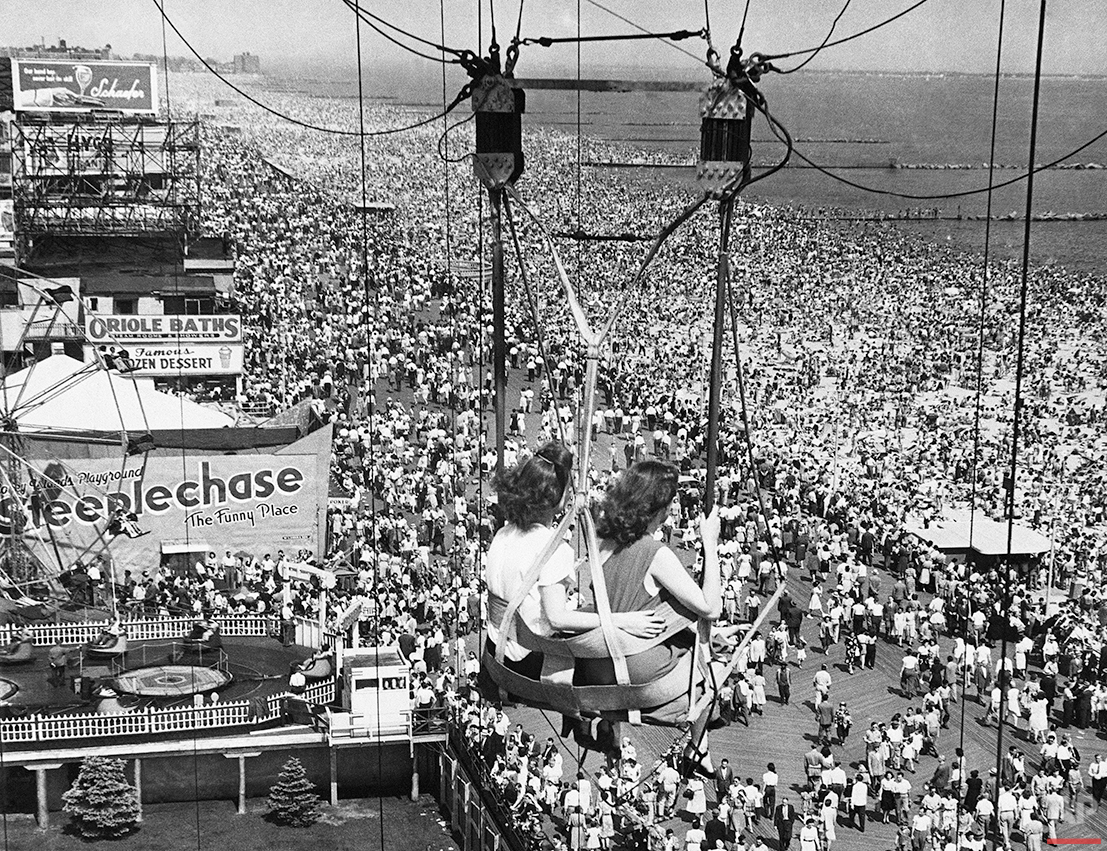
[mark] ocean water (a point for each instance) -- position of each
(902, 119)
(860, 123)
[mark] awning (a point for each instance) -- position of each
(989, 537)
(190, 546)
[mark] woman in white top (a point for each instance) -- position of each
(531, 495)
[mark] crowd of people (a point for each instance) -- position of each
(859, 370)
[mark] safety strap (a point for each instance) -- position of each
(618, 701)
(591, 644)
(529, 580)
(704, 702)
(593, 342)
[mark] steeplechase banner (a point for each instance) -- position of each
(173, 503)
(66, 85)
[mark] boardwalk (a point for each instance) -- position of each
(785, 733)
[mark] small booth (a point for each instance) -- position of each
(376, 694)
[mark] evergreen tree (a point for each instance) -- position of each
(101, 803)
(292, 800)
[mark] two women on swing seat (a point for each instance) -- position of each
(640, 573)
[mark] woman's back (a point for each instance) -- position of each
(510, 557)
(625, 576)
(630, 589)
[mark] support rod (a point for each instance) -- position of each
(499, 330)
(726, 209)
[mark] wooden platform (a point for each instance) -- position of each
(785, 733)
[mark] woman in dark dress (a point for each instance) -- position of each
(641, 573)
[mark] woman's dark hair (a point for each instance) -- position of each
(534, 485)
(633, 499)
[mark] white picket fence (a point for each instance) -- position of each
(153, 722)
(49, 728)
(233, 626)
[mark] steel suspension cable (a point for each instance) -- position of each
(1020, 361)
(372, 401)
(532, 302)
(978, 406)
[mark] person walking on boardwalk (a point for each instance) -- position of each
(784, 683)
(809, 837)
(784, 819)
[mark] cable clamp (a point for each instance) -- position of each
(512, 56)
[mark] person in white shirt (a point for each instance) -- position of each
(531, 494)
(859, 801)
(809, 837)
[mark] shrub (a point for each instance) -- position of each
(292, 800)
(101, 803)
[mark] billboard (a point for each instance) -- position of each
(260, 503)
(165, 328)
(96, 149)
(65, 85)
(173, 345)
(173, 358)
(7, 226)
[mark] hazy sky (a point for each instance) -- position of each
(942, 35)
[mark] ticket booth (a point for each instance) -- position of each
(376, 693)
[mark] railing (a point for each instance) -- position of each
(321, 693)
(429, 720)
(258, 409)
(468, 794)
(308, 633)
(234, 626)
(52, 728)
(460, 795)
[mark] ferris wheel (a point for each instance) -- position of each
(55, 411)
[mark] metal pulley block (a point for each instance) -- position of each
(724, 162)
(499, 108)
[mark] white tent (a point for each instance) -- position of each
(64, 394)
(988, 537)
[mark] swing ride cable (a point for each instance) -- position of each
(365, 285)
(651, 34)
(705, 703)
(532, 302)
(742, 28)
(481, 288)
(659, 241)
(444, 155)
(184, 463)
(845, 39)
(1031, 170)
(677, 35)
(1020, 361)
(448, 230)
(578, 205)
(978, 405)
(762, 106)
(292, 120)
(819, 49)
(368, 18)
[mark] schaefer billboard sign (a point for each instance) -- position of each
(224, 328)
(63, 85)
(259, 503)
